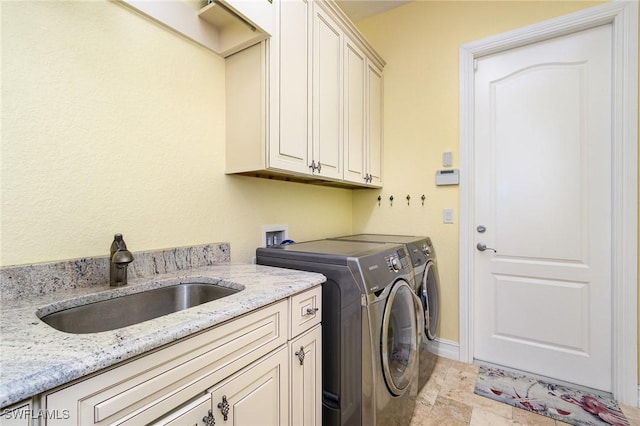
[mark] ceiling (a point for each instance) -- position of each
(360, 9)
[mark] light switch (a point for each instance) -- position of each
(447, 216)
(447, 159)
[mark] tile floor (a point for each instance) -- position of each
(447, 399)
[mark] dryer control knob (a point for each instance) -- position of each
(394, 264)
(426, 250)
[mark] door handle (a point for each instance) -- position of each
(483, 247)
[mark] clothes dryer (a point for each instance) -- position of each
(423, 259)
(370, 327)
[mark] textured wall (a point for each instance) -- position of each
(421, 117)
(110, 123)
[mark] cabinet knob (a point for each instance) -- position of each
(300, 355)
(312, 311)
(224, 407)
(209, 420)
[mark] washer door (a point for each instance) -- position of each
(400, 338)
(429, 297)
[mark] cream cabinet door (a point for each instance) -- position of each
(374, 107)
(290, 110)
(354, 114)
(306, 378)
(22, 414)
(257, 395)
(327, 95)
(362, 118)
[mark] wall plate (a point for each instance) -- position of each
(448, 177)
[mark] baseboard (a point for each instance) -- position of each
(445, 348)
(638, 397)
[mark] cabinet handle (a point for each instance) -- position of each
(312, 311)
(224, 407)
(300, 355)
(312, 166)
(209, 420)
(319, 167)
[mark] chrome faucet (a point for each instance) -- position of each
(118, 261)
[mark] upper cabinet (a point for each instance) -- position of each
(303, 87)
(306, 104)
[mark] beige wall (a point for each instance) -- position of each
(421, 116)
(113, 124)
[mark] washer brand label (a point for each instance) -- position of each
(371, 268)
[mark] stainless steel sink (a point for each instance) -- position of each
(134, 308)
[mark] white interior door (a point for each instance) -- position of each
(542, 156)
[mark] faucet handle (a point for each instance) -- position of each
(122, 257)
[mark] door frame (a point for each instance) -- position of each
(623, 16)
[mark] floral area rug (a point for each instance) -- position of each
(570, 405)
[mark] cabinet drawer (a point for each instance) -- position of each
(191, 414)
(144, 389)
(306, 310)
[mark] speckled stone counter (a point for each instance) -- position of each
(34, 357)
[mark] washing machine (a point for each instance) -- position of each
(371, 327)
(427, 280)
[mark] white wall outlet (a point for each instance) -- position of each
(273, 235)
(447, 159)
(447, 216)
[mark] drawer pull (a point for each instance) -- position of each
(224, 407)
(312, 311)
(209, 420)
(300, 355)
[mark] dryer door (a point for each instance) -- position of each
(428, 293)
(400, 338)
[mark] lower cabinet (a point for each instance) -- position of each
(257, 395)
(261, 368)
(261, 393)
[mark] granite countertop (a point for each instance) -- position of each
(35, 357)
